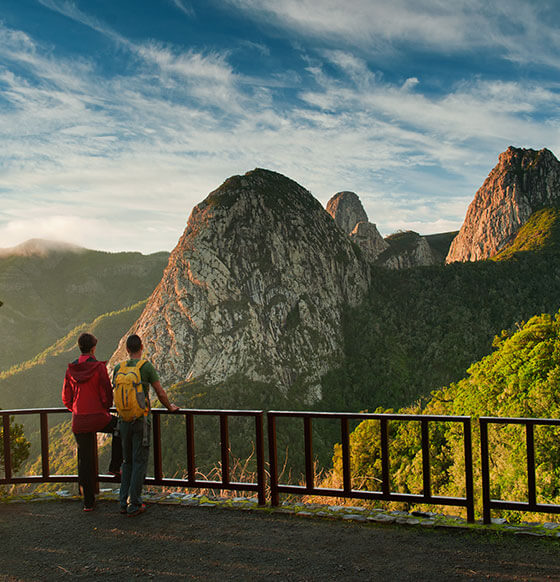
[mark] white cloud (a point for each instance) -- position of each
(519, 30)
(184, 7)
(160, 136)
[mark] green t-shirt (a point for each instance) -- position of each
(148, 374)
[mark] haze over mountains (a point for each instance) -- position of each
(269, 291)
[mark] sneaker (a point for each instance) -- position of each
(88, 509)
(140, 510)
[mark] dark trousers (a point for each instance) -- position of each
(136, 448)
(86, 459)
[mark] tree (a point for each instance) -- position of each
(19, 445)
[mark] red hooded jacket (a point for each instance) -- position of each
(88, 393)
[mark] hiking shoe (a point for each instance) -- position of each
(140, 510)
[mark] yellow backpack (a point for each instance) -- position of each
(129, 396)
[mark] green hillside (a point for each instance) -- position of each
(540, 233)
(46, 295)
(37, 383)
(519, 378)
(422, 328)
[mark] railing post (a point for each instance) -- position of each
(7, 448)
(531, 483)
(45, 445)
(345, 438)
(158, 473)
(426, 477)
(224, 446)
(191, 465)
(485, 471)
(261, 475)
(273, 460)
(308, 436)
(385, 478)
(469, 482)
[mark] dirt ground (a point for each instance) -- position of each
(56, 541)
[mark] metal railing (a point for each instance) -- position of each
(225, 483)
(531, 504)
(385, 494)
(310, 488)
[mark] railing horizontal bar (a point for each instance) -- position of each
(208, 411)
(366, 415)
(201, 411)
(379, 495)
(34, 410)
(41, 479)
(523, 505)
(504, 420)
(202, 484)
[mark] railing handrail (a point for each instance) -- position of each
(240, 412)
(366, 415)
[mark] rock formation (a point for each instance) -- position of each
(256, 286)
(367, 237)
(348, 212)
(523, 181)
(407, 249)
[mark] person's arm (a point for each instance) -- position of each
(162, 396)
(67, 393)
(106, 388)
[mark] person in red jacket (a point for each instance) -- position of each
(88, 393)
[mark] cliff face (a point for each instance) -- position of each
(348, 212)
(256, 286)
(522, 182)
(406, 250)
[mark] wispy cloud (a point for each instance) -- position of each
(171, 124)
(184, 7)
(518, 30)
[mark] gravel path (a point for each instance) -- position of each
(57, 541)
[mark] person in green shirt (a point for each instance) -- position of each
(135, 434)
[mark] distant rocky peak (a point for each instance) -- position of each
(347, 210)
(522, 182)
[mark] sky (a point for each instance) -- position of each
(117, 117)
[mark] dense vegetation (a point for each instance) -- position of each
(422, 328)
(519, 379)
(19, 445)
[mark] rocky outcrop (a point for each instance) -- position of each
(347, 210)
(367, 237)
(407, 249)
(256, 286)
(523, 181)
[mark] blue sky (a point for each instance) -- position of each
(117, 117)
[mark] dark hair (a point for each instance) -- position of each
(133, 344)
(86, 341)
